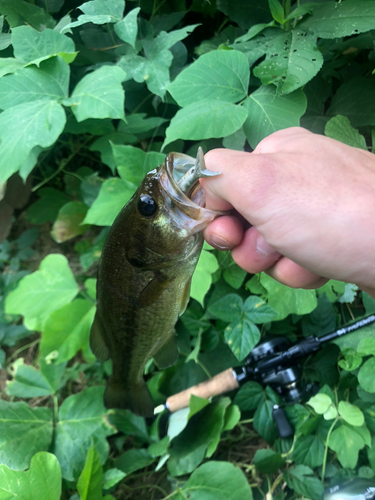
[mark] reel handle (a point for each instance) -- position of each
(223, 382)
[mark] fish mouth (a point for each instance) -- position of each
(188, 212)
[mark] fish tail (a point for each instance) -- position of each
(136, 399)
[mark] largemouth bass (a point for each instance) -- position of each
(144, 277)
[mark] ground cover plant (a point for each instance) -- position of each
(94, 95)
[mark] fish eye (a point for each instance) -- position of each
(147, 206)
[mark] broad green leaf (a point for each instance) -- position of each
(98, 12)
(351, 359)
(331, 413)
(366, 377)
(99, 95)
(48, 83)
(234, 275)
(113, 196)
(133, 460)
(355, 99)
(336, 20)
(242, 337)
(202, 277)
(90, 482)
(264, 423)
(33, 47)
(127, 28)
(133, 163)
(351, 414)
(47, 207)
(221, 74)
(320, 402)
(249, 396)
(67, 330)
(18, 12)
(68, 222)
(308, 450)
(292, 60)
(25, 431)
(285, 300)
(42, 292)
(366, 347)
(258, 311)
(267, 461)
(339, 128)
(245, 13)
(217, 481)
(105, 143)
(138, 123)
(82, 421)
(43, 478)
(111, 477)
(277, 11)
(229, 308)
(346, 442)
(159, 448)
(9, 65)
(28, 382)
(333, 289)
(269, 112)
(131, 425)
(209, 119)
(231, 418)
(302, 480)
(37, 123)
(321, 320)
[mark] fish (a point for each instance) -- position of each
(144, 277)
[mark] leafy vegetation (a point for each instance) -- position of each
(92, 97)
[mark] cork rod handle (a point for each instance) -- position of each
(223, 382)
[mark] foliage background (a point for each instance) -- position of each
(93, 96)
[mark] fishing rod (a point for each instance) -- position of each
(274, 362)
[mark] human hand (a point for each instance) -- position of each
(310, 201)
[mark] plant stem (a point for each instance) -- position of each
(326, 449)
(15, 354)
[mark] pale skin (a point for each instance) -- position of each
(310, 201)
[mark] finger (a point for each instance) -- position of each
(224, 233)
(291, 274)
(254, 254)
(281, 141)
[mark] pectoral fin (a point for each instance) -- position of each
(185, 298)
(153, 289)
(167, 354)
(97, 344)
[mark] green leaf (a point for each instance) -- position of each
(202, 277)
(127, 28)
(277, 11)
(292, 60)
(366, 377)
(242, 337)
(209, 119)
(366, 347)
(133, 163)
(228, 309)
(332, 20)
(68, 222)
(355, 99)
(99, 12)
(33, 47)
(44, 477)
(309, 451)
(339, 128)
(99, 95)
(321, 320)
(217, 481)
(351, 360)
(112, 477)
(42, 123)
(90, 482)
(47, 207)
(232, 417)
(9, 65)
(138, 123)
(264, 423)
(133, 460)
(301, 480)
(249, 396)
(351, 414)
(269, 112)
(285, 300)
(18, 12)
(258, 311)
(267, 461)
(346, 442)
(67, 330)
(131, 425)
(221, 74)
(25, 431)
(114, 194)
(28, 382)
(320, 402)
(82, 418)
(42, 292)
(48, 83)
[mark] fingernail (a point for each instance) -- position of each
(264, 248)
(220, 243)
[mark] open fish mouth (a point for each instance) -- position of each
(179, 181)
